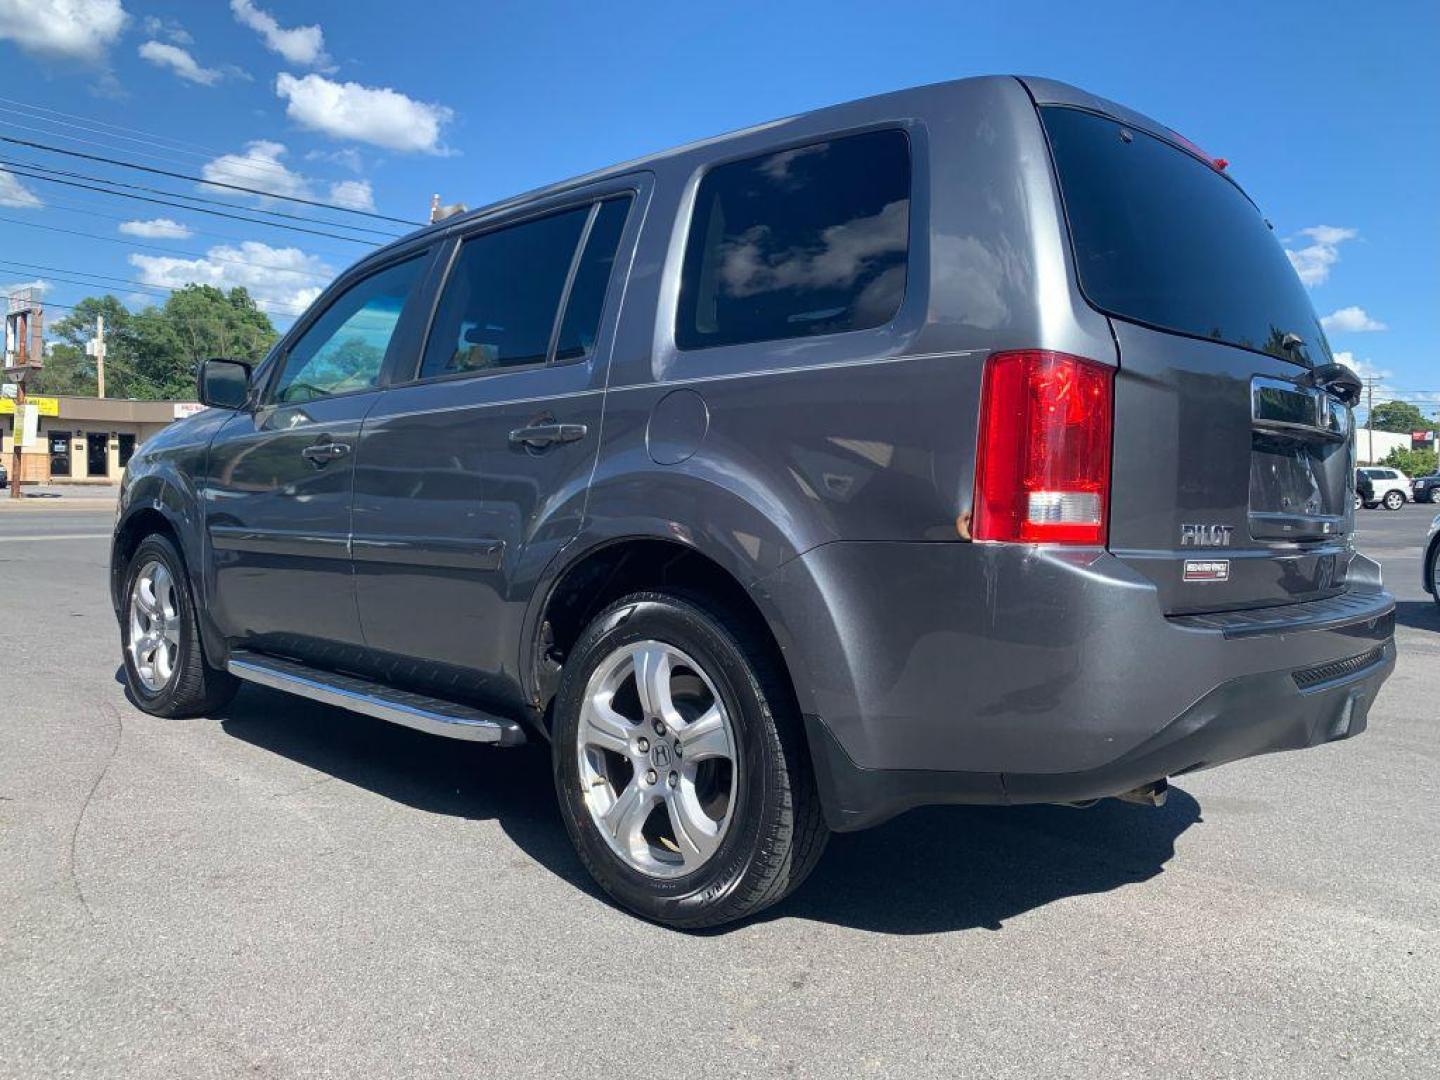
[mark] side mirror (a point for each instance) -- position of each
(224, 384)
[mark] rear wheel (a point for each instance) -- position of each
(680, 765)
(1435, 573)
(1394, 500)
(165, 666)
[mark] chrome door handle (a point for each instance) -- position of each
(539, 436)
(323, 453)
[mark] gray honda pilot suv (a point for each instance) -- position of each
(970, 444)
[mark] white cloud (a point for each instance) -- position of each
(258, 167)
(14, 193)
(39, 285)
(368, 114)
(299, 45)
(349, 157)
(1313, 261)
(157, 229)
(1364, 368)
(170, 29)
(1351, 320)
(352, 194)
(62, 29)
(179, 61)
(283, 278)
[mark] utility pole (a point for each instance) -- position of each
(19, 420)
(96, 348)
(24, 351)
(1370, 418)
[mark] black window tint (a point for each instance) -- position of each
(811, 240)
(344, 349)
(587, 296)
(1162, 238)
(500, 301)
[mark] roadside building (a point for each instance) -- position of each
(1372, 447)
(86, 440)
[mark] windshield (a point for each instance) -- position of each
(1163, 239)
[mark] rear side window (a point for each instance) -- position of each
(592, 277)
(500, 300)
(811, 240)
(1163, 239)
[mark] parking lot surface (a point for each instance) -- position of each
(289, 890)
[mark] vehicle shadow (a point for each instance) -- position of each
(439, 776)
(934, 870)
(1421, 614)
(949, 868)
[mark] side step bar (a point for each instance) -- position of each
(428, 714)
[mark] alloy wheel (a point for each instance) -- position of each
(658, 759)
(154, 640)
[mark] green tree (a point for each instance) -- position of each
(1412, 463)
(154, 352)
(1400, 417)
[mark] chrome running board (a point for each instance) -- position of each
(428, 714)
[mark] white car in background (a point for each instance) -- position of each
(1392, 487)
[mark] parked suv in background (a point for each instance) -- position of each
(1391, 487)
(971, 444)
(1423, 488)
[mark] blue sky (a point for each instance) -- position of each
(1327, 112)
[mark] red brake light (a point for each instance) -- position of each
(1042, 474)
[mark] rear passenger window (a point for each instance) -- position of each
(811, 240)
(503, 294)
(587, 294)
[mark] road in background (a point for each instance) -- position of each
(290, 890)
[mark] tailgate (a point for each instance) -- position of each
(1232, 476)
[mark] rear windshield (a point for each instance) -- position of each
(1162, 239)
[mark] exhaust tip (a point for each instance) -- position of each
(1151, 794)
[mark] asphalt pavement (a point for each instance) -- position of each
(288, 890)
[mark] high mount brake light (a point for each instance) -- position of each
(1042, 474)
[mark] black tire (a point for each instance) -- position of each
(194, 688)
(777, 830)
(1394, 500)
(1432, 563)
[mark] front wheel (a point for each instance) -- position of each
(1394, 500)
(165, 666)
(680, 763)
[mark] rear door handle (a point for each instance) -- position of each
(539, 436)
(323, 453)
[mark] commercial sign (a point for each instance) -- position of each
(45, 406)
(187, 408)
(1422, 440)
(27, 426)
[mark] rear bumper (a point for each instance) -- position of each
(986, 674)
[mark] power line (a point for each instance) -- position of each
(151, 138)
(12, 163)
(271, 267)
(86, 208)
(201, 180)
(252, 163)
(192, 209)
(86, 280)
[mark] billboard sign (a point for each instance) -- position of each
(1422, 440)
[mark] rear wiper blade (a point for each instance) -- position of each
(1336, 379)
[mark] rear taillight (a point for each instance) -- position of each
(1043, 470)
